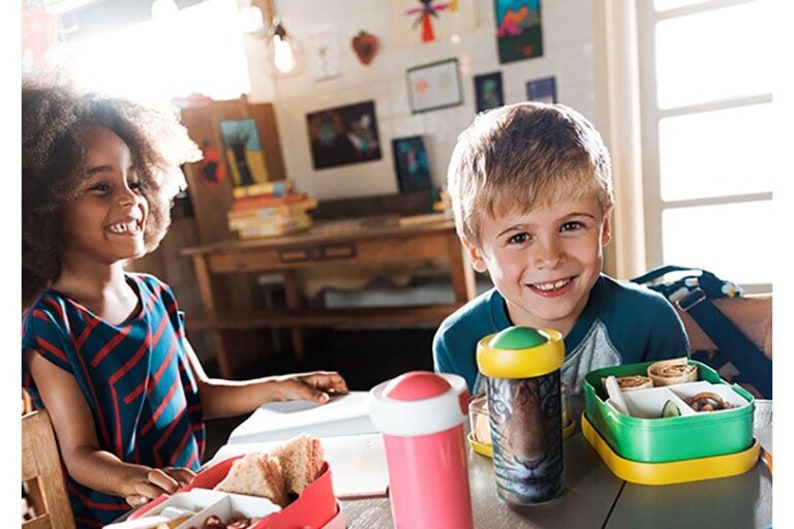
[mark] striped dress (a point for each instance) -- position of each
(135, 377)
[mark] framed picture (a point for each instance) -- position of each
(344, 135)
(243, 149)
(518, 29)
(488, 90)
(544, 90)
(433, 86)
(410, 163)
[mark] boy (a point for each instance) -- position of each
(531, 191)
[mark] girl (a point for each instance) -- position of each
(105, 350)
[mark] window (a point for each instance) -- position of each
(199, 49)
(707, 115)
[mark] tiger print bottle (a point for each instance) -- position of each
(522, 370)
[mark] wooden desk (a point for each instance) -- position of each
(368, 240)
(595, 498)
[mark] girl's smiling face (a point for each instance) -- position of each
(545, 262)
(105, 221)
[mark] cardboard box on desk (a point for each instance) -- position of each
(315, 507)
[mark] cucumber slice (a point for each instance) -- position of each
(670, 409)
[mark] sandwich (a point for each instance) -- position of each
(280, 474)
(256, 475)
(301, 460)
(675, 371)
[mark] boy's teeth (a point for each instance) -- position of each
(551, 286)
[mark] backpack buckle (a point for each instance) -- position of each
(691, 299)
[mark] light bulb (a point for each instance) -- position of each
(283, 56)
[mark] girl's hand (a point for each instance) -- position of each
(317, 386)
(156, 482)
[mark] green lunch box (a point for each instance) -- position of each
(655, 439)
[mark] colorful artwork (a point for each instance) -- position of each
(210, 168)
(433, 86)
(410, 163)
(518, 29)
(544, 90)
(344, 135)
(488, 88)
(423, 21)
(243, 150)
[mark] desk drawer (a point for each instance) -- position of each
(323, 252)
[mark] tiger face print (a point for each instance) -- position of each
(526, 432)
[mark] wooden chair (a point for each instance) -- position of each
(42, 472)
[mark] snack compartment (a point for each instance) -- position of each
(649, 403)
(652, 439)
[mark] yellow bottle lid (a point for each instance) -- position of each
(520, 352)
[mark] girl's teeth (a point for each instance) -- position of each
(123, 228)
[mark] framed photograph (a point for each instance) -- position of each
(410, 164)
(544, 90)
(344, 135)
(488, 90)
(434, 86)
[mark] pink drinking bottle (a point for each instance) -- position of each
(421, 416)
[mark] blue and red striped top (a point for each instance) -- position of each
(135, 376)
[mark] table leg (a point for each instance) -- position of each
(294, 300)
(463, 280)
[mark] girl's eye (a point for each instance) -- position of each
(518, 238)
(99, 187)
(571, 226)
(136, 185)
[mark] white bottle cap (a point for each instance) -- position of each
(419, 403)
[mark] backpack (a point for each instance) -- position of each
(691, 290)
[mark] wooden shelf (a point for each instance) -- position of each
(257, 319)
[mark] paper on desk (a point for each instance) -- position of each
(279, 421)
(357, 462)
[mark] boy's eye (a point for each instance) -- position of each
(518, 238)
(136, 185)
(572, 225)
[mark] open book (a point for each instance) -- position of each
(353, 448)
(278, 421)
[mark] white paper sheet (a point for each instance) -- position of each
(357, 462)
(278, 421)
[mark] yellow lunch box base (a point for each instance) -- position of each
(670, 472)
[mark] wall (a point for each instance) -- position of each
(568, 39)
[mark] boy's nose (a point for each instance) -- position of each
(548, 253)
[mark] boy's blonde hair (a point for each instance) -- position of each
(521, 156)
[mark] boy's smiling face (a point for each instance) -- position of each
(544, 262)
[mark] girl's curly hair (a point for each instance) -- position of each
(53, 165)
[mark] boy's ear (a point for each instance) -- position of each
(477, 261)
(606, 227)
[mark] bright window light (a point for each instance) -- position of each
(714, 55)
(198, 51)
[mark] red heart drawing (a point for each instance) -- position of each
(365, 45)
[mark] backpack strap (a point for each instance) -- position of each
(751, 362)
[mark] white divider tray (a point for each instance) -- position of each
(222, 504)
(648, 403)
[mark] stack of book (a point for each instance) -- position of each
(269, 209)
